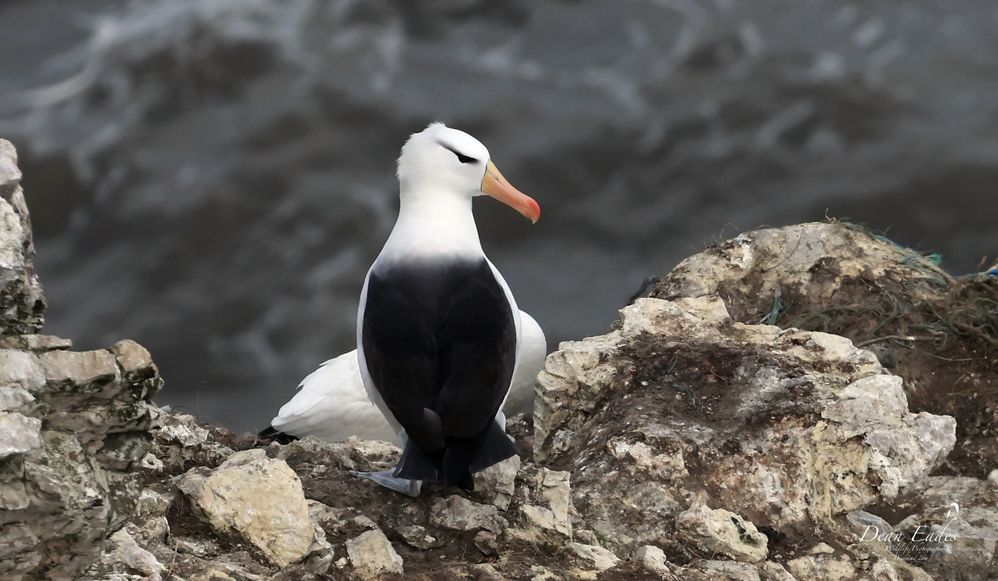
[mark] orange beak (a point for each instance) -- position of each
(496, 186)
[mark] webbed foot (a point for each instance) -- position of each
(388, 479)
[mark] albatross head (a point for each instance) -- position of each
(440, 161)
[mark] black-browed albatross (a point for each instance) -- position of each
(437, 326)
(332, 404)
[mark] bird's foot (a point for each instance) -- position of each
(388, 479)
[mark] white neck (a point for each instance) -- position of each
(433, 225)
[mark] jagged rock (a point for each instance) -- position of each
(724, 532)
(840, 278)
(770, 419)
(68, 481)
(372, 555)
(180, 442)
(22, 306)
(418, 537)
(458, 513)
(546, 506)
(497, 483)
(73, 425)
(258, 499)
(952, 526)
(123, 555)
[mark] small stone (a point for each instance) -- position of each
(258, 499)
(151, 463)
(993, 476)
(597, 557)
(459, 513)
(133, 358)
(124, 550)
(724, 532)
(653, 560)
(418, 537)
(372, 555)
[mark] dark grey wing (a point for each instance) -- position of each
(477, 346)
(400, 350)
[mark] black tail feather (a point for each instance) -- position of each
(458, 460)
(416, 464)
(464, 457)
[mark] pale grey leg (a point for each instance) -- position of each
(387, 478)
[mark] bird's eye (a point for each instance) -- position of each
(460, 156)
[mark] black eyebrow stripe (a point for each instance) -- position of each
(460, 156)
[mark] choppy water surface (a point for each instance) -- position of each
(213, 177)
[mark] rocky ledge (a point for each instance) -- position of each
(731, 425)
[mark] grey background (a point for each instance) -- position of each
(212, 178)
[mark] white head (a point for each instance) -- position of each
(440, 161)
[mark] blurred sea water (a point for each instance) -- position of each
(213, 177)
